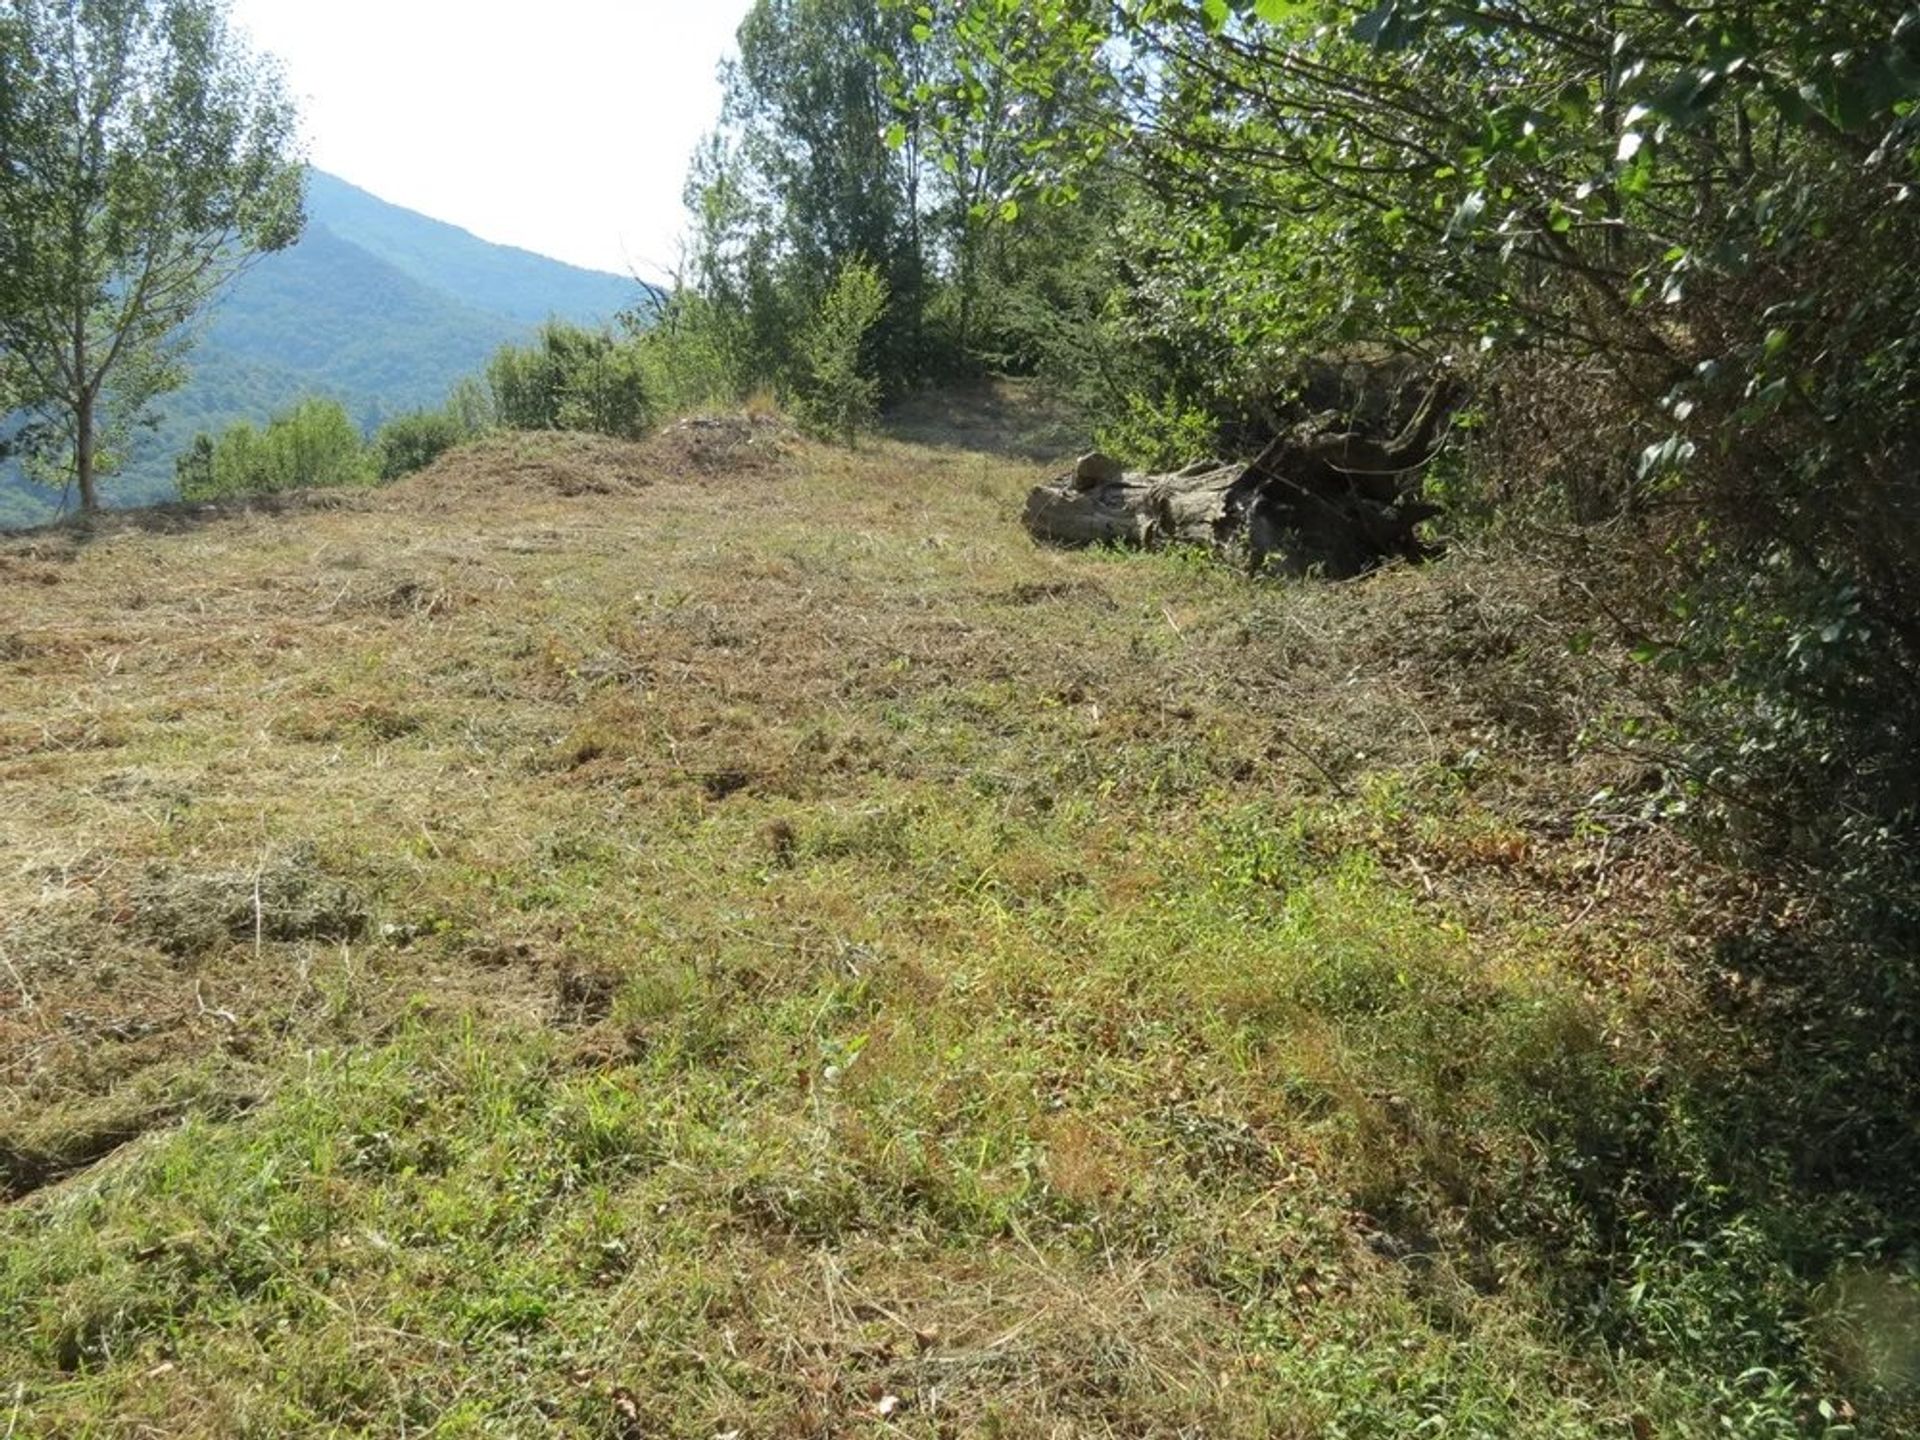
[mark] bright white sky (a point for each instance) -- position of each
(563, 126)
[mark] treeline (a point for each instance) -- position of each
(859, 232)
(1671, 249)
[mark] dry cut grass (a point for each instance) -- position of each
(724, 937)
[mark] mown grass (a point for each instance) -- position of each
(591, 944)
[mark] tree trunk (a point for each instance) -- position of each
(1316, 500)
(83, 454)
(83, 405)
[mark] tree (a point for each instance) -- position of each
(801, 180)
(414, 441)
(313, 444)
(193, 468)
(839, 390)
(808, 99)
(1678, 238)
(146, 157)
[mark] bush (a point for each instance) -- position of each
(571, 379)
(690, 358)
(1159, 435)
(412, 442)
(839, 394)
(315, 444)
(470, 406)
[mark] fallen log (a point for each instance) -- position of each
(1318, 499)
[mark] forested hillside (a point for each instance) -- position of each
(497, 279)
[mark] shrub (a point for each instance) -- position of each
(571, 379)
(470, 405)
(314, 444)
(839, 393)
(690, 358)
(1162, 434)
(412, 442)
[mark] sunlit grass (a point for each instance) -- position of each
(792, 944)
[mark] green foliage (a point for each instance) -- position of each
(470, 405)
(1702, 217)
(809, 182)
(147, 155)
(572, 378)
(193, 469)
(839, 391)
(840, 143)
(313, 445)
(1158, 435)
(412, 442)
(690, 353)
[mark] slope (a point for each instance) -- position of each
(499, 956)
(500, 279)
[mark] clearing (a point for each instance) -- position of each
(726, 937)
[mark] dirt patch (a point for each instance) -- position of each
(287, 898)
(585, 996)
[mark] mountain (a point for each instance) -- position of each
(500, 279)
(377, 306)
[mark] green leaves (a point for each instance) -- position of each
(840, 390)
(147, 155)
(1391, 25)
(1665, 458)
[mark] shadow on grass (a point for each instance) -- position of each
(1010, 418)
(180, 517)
(1738, 1194)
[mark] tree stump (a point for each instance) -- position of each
(1318, 499)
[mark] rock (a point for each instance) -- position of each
(1094, 469)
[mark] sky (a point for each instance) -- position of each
(562, 126)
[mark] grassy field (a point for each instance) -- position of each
(724, 937)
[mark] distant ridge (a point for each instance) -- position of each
(377, 306)
(503, 279)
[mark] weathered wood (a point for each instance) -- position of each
(1317, 499)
